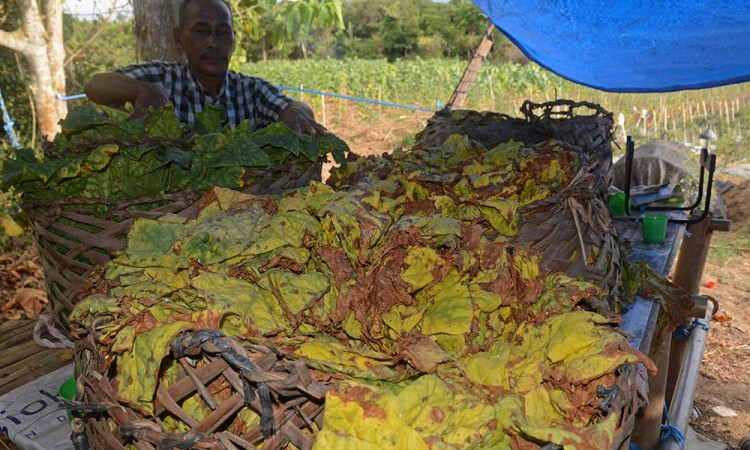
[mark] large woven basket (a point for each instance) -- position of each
(72, 240)
(572, 230)
(222, 375)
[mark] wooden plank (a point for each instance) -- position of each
(20, 336)
(12, 327)
(6, 444)
(29, 364)
(13, 354)
(34, 375)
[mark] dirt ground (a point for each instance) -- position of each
(725, 374)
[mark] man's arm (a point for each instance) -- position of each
(299, 117)
(116, 89)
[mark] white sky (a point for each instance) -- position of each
(94, 8)
(91, 9)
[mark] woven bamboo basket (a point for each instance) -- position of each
(208, 365)
(225, 377)
(572, 230)
(72, 240)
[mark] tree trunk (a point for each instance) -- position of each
(43, 49)
(154, 21)
(56, 51)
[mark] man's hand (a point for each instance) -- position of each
(115, 90)
(299, 117)
(149, 95)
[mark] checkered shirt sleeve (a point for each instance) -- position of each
(243, 97)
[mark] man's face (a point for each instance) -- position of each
(207, 37)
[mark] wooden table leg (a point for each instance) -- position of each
(647, 429)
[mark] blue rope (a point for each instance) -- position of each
(8, 124)
(682, 333)
(670, 432)
(356, 99)
(69, 97)
(308, 91)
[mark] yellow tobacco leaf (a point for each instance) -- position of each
(502, 215)
(359, 362)
(571, 335)
(227, 294)
(348, 424)
(538, 407)
(138, 370)
(10, 227)
(402, 318)
(298, 290)
(352, 327)
(486, 301)
(449, 310)
(527, 264)
(421, 262)
(490, 367)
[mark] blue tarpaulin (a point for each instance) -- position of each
(631, 45)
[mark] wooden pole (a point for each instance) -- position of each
(472, 69)
(688, 273)
(647, 429)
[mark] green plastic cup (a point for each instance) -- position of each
(68, 391)
(617, 204)
(654, 228)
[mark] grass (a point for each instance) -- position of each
(728, 251)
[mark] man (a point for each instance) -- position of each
(206, 35)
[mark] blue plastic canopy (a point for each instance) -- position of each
(631, 45)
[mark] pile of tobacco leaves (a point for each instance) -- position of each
(398, 281)
(101, 155)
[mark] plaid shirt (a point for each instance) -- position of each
(241, 96)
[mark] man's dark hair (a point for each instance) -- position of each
(183, 6)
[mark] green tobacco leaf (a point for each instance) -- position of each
(179, 157)
(163, 123)
(210, 120)
(149, 239)
(81, 118)
(25, 167)
(277, 136)
(330, 143)
(100, 157)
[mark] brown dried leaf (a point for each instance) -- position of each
(28, 301)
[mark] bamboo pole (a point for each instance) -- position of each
(684, 124)
(323, 103)
(726, 112)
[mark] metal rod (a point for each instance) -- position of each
(629, 154)
(682, 400)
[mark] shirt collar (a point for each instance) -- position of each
(195, 84)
